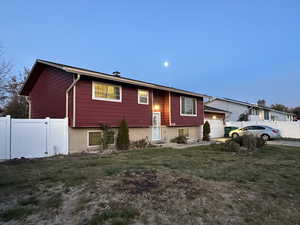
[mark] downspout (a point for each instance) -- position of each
(29, 106)
(67, 93)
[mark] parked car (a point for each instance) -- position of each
(264, 132)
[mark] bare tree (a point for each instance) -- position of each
(16, 105)
(5, 70)
(261, 102)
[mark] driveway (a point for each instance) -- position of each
(285, 142)
(294, 143)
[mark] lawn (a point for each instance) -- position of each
(160, 186)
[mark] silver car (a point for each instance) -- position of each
(264, 132)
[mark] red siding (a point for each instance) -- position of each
(91, 113)
(48, 94)
(178, 120)
(161, 99)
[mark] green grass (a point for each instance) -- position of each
(273, 173)
(15, 213)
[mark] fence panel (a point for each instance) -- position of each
(33, 138)
(28, 138)
(5, 137)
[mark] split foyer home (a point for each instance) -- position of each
(254, 112)
(89, 99)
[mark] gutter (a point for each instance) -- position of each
(29, 106)
(67, 99)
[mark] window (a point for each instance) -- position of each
(143, 97)
(188, 106)
(107, 92)
(94, 138)
(266, 115)
(183, 132)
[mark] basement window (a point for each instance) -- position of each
(107, 92)
(143, 97)
(183, 132)
(94, 138)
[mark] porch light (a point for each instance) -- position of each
(156, 107)
(214, 117)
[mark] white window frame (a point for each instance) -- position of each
(88, 139)
(106, 99)
(142, 103)
(184, 128)
(182, 114)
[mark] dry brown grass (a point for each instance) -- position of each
(163, 186)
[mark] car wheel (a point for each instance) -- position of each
(265, 137)
(234, 135)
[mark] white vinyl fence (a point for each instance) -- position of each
(216, 128)
(32, 138)
(288, 129)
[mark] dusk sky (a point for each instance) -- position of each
(246, 50)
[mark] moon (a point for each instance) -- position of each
(166, 64)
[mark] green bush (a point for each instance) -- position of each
(206, 131)
(123, 136)
(179, 140)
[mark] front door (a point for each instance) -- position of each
(156, 122)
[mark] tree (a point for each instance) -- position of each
(5, 69)
(123, 136)
(296, 111)
(261, 102)
(243, 117)
(16, 106)
(280, 107)
(206, 131)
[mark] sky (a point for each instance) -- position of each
(245, 50)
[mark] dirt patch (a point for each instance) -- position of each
(138, 182)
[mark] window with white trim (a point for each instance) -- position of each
(143, 97)
(94, 138)
(183, 132)
(107, 92)
(188, 106)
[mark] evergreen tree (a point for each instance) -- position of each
(123, 136)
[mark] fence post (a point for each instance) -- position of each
(47, 123)
(66, 125)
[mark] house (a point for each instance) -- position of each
(254, 112)
(90, 98)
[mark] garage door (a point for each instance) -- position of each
(216, 128)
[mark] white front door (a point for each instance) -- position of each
(156, 122)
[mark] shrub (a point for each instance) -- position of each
(140, 144)
(179, 140)
(123, 136)
(206, 131)
(260, 142)
(243, 117)
(107, 137)
(231, 146)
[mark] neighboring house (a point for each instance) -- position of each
(255, 112)
(90, 98)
